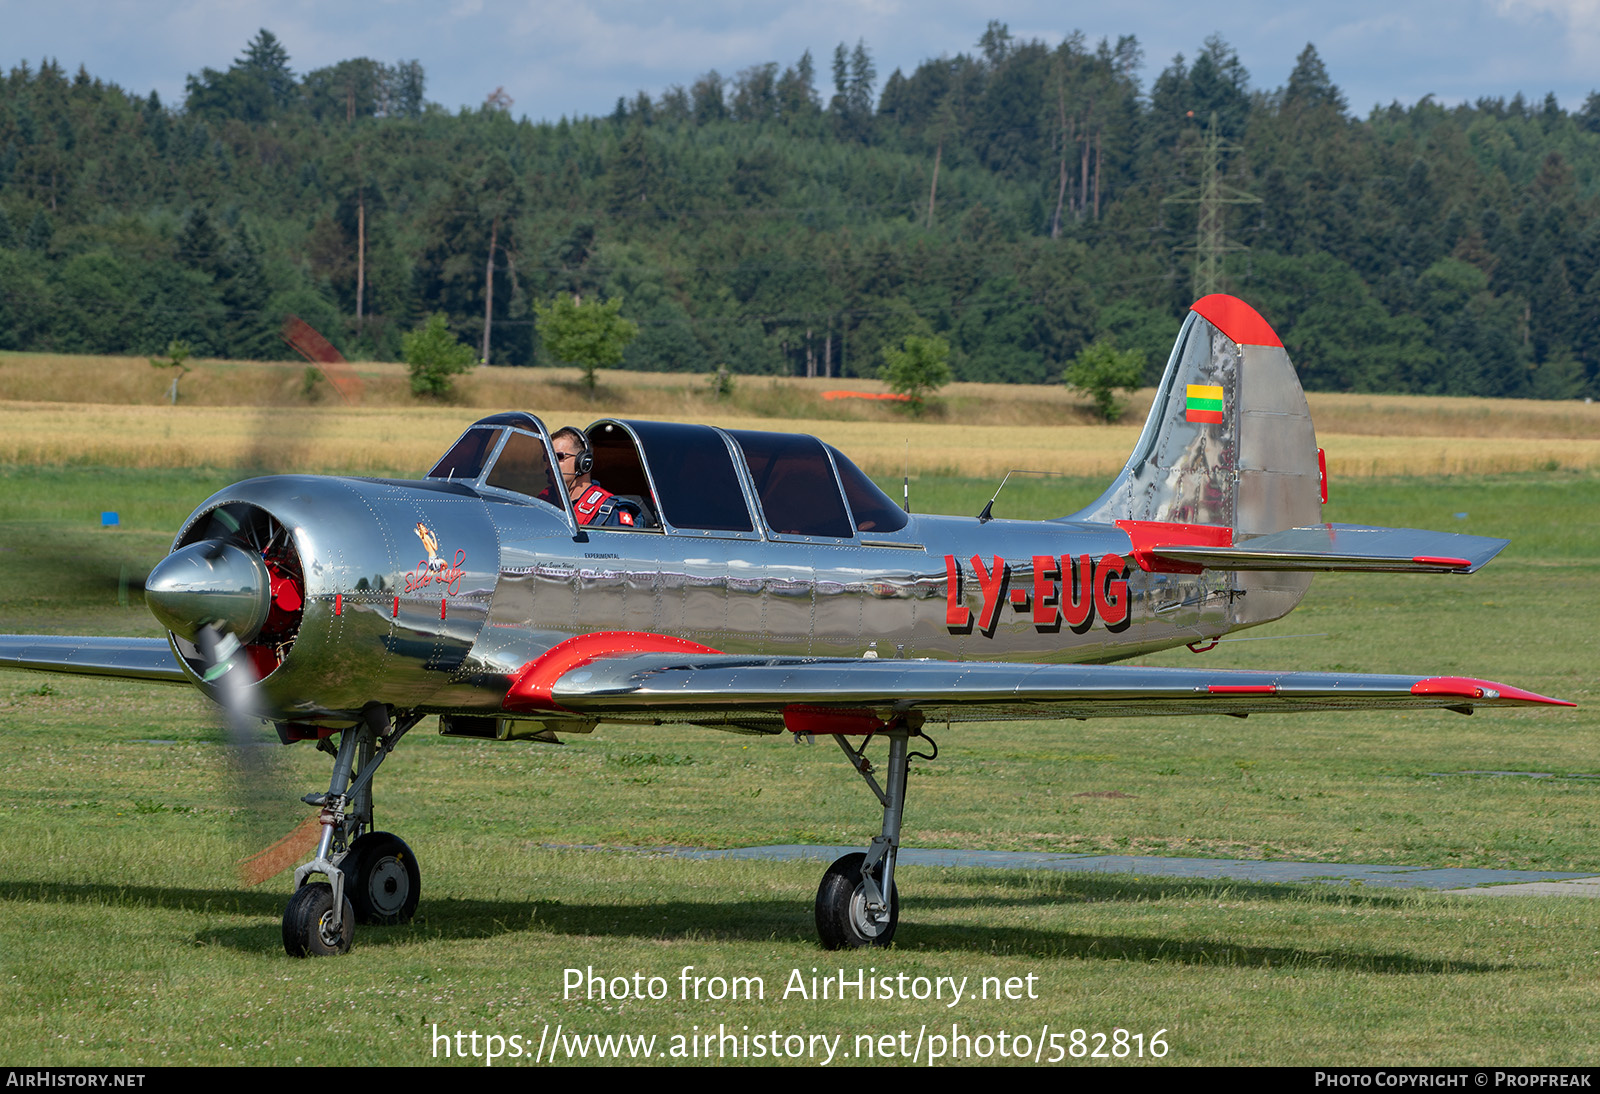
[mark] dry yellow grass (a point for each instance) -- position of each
(130, 381)
(361, 439)
(1453, 416)
(381, 440)
(69, 378)
(112, 412)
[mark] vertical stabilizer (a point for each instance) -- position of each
(1229, 439)
(1228, 442)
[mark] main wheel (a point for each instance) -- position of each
(381, 879)
(308, 929)
(843, 921)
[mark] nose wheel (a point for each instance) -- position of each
(310, 929)
(372, 877)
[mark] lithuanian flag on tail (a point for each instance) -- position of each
(1204, 404)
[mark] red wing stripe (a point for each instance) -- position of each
(1435, 560)
(1243, 689)
(799, 718)
(532, 686)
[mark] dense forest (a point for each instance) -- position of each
(1020, 200)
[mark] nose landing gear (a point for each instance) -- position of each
(372, 876)
(310, 929)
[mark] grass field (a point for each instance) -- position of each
(125, 937)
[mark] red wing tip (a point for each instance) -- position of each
(1439, 560)
(1147, 537)
(1467, 688)
(1242, 689)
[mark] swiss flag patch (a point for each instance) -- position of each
(625, 517)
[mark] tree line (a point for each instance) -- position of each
(1013, 201)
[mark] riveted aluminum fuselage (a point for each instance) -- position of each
(434, 595)
(430, 596)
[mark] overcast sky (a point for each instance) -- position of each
(575, 57)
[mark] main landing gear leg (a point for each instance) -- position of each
(857, 902)
(372, 876)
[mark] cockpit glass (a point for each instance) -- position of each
(696, 485)
(464, 461)
(524, 467)
(795, 483)
(874, 511)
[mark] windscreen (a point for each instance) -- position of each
(524, 466)
(465, 459)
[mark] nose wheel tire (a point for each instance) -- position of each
(381, 879)
(308, 929)
(843, 920)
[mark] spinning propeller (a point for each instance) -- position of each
(233, 598)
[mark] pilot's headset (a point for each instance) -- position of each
(583, 462)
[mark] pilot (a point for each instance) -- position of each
(593, 503)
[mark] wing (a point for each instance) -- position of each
(127, 658)
(860, 695)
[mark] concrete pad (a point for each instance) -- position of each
(1464, 880)
(1584, 886)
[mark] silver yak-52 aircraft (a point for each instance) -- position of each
(768, 587)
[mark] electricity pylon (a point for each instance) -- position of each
(1211, 240)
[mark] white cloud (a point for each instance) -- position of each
(1572, 46)
(1579, 20)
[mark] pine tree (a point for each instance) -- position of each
(797, 90)
(266, 61)
(1309, 87)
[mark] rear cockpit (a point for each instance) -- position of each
(702, 480)
(690, 479)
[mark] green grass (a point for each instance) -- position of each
(125, 938)
(1554, 513)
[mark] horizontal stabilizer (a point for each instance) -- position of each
(126, 658)
(1329, 547)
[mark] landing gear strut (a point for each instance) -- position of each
(372, 876)
(858, 905)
